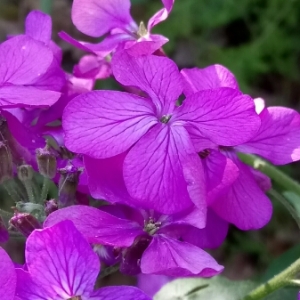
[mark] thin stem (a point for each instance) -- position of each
(46, 6)
(271, 171)
(286, 204)
(109, 270)
(45, 189)
(29, 190)
(278, 281)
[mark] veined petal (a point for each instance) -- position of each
(70, 267)
(119, 292)
(96, 18)
(39, 26)
(23, 59)
(105, 179)
(157, 76)
(278, 138)
(146, 47)
(220, 173)
(29, 289)
(97, 226)
(245, 205)
(211, 77)
(224, 116)
(103, 124)
(166, 256)
(7, 276)
(163, 172)
(20, 96)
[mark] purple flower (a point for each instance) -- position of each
(244, 202)
(69, 268)
(22, 62)
(161, 167)
(7, 277)
(150, 240)
(96, 18)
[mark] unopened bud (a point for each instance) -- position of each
(25, 172)
(28, 207)
(6, 164)
(50, 206)
(47, 163)
(24, 223)
(68, 182)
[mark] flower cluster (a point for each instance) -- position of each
(162, 152)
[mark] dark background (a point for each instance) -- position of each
(258, 40)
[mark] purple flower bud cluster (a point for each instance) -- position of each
(161, 155)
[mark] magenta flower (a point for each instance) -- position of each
(150, 240)
(7, 277)
(22, 62)
(96, 18)
(244, 202)
(70, 268)
(161, 167)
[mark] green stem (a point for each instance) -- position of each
(278, 281)
(46, 6)
(271, 171)
(29, 190)
(45, 189)
(109, 270)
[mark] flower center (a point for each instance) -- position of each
(75, 298)
(203, 154)
(142, 31)
(151, 226)
(165, 119)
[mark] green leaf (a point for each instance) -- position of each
(217, 288)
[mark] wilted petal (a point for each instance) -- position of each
(70, 267)
(103, 124)
(161, 171)
(29, 289)
(245, 205)
(96, 18)
(166, 256)
(23, 59)
(278, 138)
(20, 96)
(220, 173)
(119, 292)
(224, 116)
(211, 77)
(157, 76)
(39, 26)
(212, 236)
(105, 178)
(7, 276)
(97, 226)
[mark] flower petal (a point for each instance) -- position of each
(107, 184)
(224, 116)
(162, 171)
(70, 267)
(119, 292)
(97, 226)
(161, 15)
(28, 289)
(220, 173)
(96, 18)
(39, 26)
(211, 77)
(23, 59)
(146, 47)
(7, 276)
(20, 96)
(166, 256)
(278, 138)
(103, 124)
(155, 75)
(245, 205)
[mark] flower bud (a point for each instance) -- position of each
(47, 163)
(50, 206)
(24, 223)
(25, 173)
(28, 207)
(6, 165)
(67, 186)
